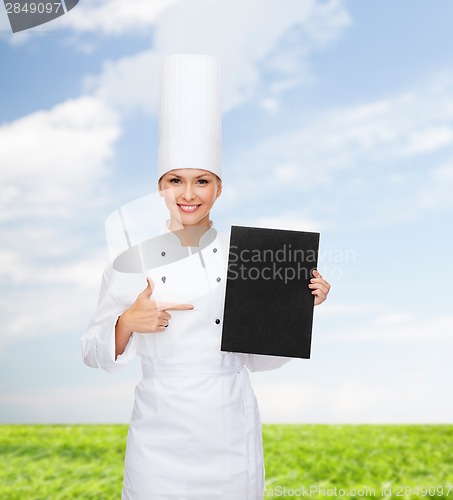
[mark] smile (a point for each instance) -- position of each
(188, 208)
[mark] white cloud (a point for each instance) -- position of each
(56, 157)
(398, 327)
(443, 173)
(94, 403)
(197, 20)
(114, 17)
(270, 104)
(351, 401)
(435, 190)
(13, 39)
(426, 139)
(51, 158)
(98, 17)
(408, 400)
(128, 83)
(43, 261)
(290, 220)
(343, 139)
(338, 163)
(49, 279)
(267, 39)
(53, 299)
(54, 162)
(344, 308)
(397, 318)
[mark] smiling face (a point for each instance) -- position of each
(195, 192)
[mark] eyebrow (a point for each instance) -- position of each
(197, 177)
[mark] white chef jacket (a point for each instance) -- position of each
(195, 429)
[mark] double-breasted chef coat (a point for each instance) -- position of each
(195, 429)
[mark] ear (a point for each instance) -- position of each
(219, 186)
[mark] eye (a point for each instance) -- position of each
(204, 181)
(174, 179)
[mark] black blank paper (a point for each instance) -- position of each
(268, 305)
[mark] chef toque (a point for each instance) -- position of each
(189, 114)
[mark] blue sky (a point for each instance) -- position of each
(337, 117)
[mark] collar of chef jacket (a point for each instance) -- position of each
(161, 250)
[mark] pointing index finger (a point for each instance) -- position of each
(172, 306)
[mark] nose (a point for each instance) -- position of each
(188, 193)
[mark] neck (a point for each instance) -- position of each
(189, 235)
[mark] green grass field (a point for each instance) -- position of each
(302, 461)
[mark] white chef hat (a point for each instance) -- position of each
(189, 114)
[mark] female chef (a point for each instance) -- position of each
(195, 429)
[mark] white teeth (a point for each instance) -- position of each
(189, 207)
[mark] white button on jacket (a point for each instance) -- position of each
(195, 430)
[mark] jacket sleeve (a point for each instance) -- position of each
(98, 342)
(262, 362)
